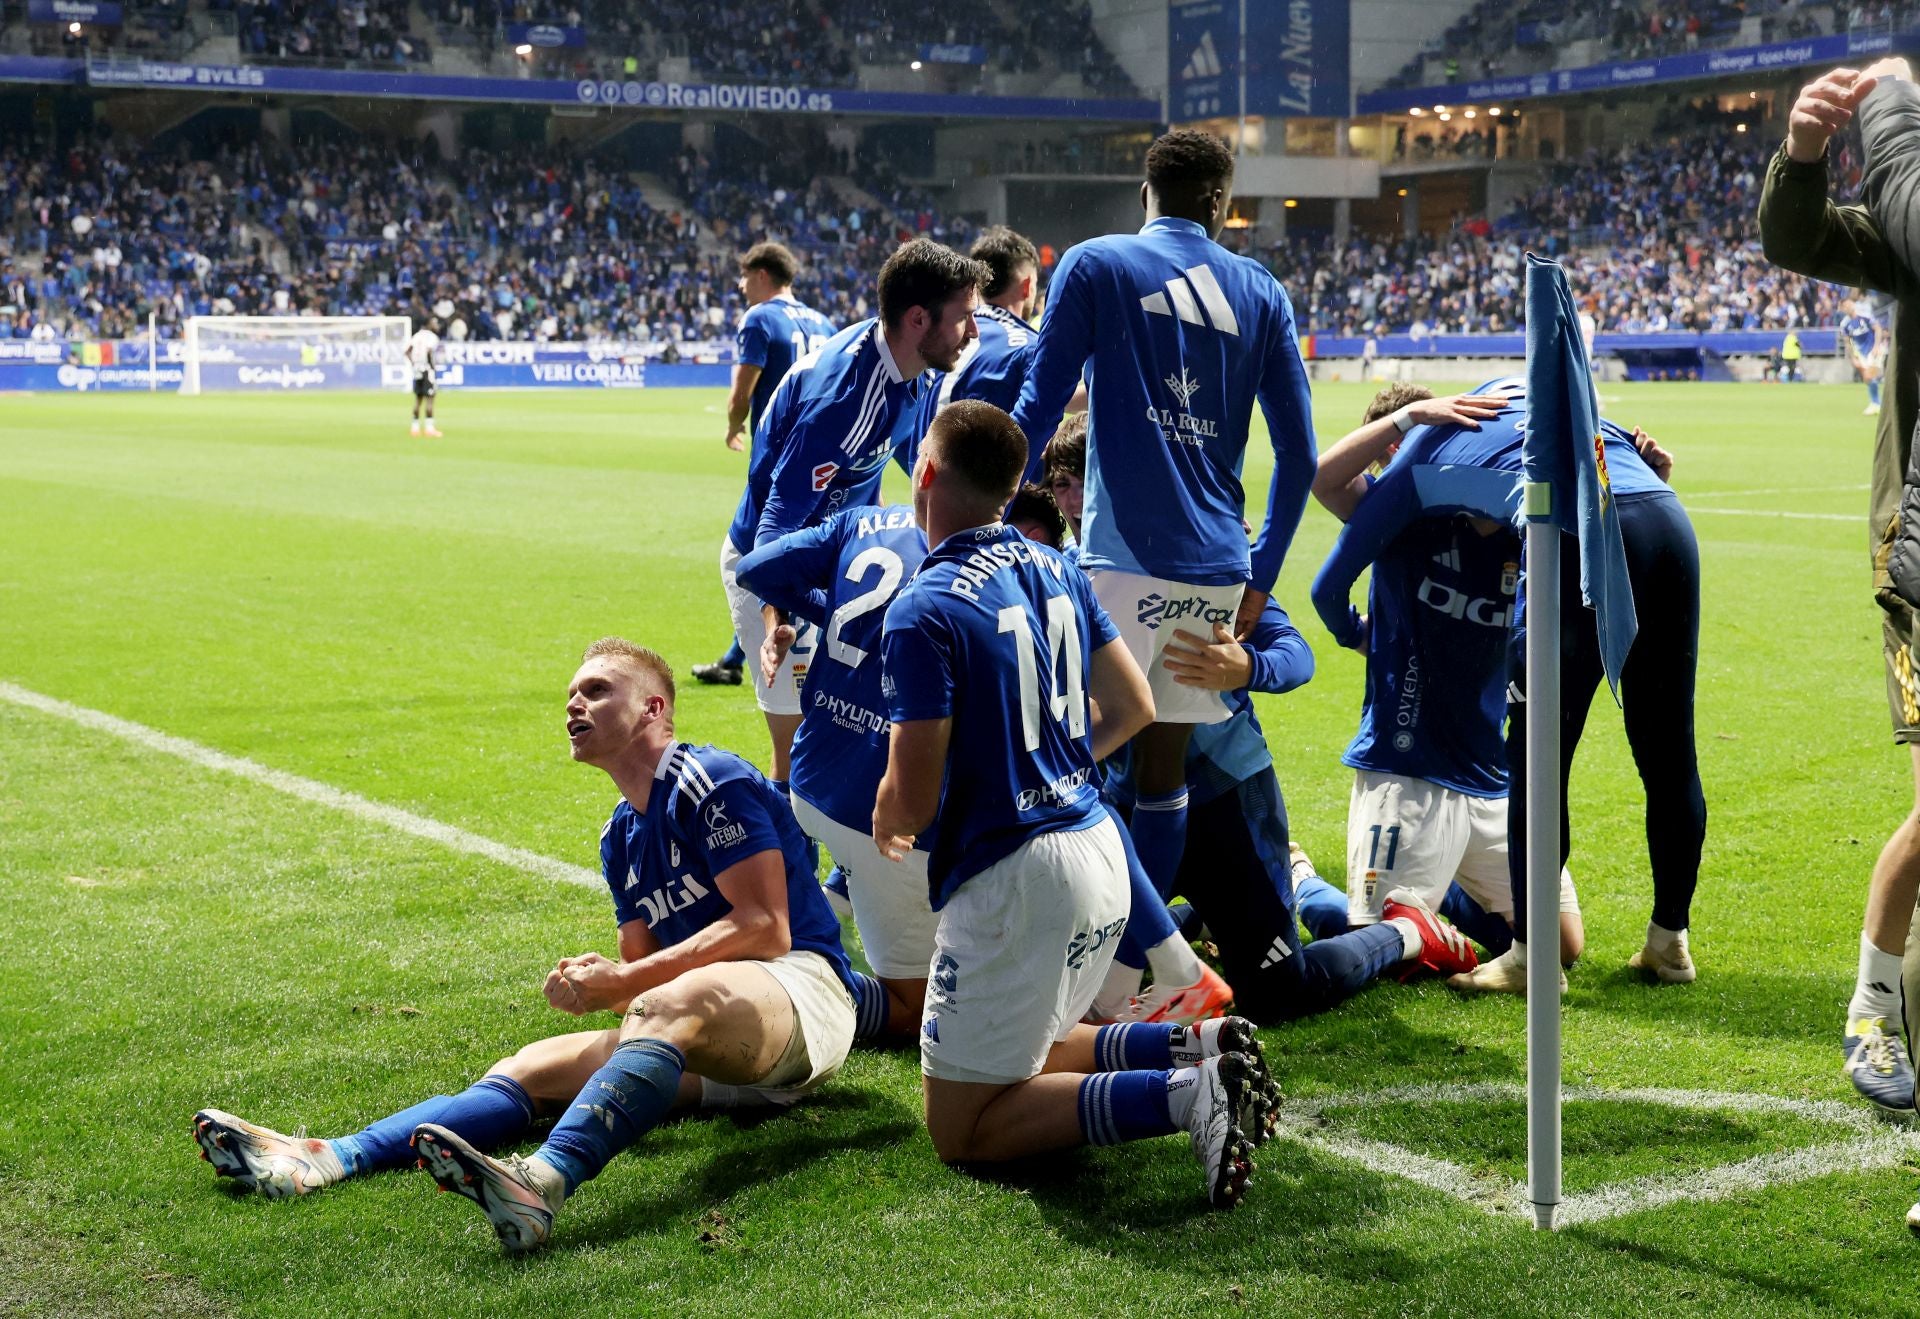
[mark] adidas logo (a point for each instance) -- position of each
(1276, 954)
(1187, 294)
(1451, 559)
(1206, 59)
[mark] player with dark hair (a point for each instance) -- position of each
(419, 354)
(1182, 338)
(731, 981)
(777, 331)
(1034, 515)
(1005, 681)
(827, 432)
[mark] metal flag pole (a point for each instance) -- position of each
(1543, 854)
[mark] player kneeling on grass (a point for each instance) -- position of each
(1429, 802)
(731, 975)
(989, 657)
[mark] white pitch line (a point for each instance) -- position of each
(1872, 1145)
(307, 790)
(1779, 490)
(1776, 513)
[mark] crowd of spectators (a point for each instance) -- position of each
(1655, 237)
(500, 245)
(1500, 37)
(325, 31)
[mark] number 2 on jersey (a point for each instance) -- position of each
(1064, 703)
(891, 570)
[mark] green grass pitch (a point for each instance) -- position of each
(296, 581)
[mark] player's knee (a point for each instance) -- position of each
(1573, 939)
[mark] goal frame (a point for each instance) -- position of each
(285, 327)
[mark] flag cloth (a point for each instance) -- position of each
(1563, 447)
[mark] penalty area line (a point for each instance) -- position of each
(304, 789)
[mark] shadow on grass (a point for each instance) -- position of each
(1757, 1004)
(747, 1149)
(1722, 1267)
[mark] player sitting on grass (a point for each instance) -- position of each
(730, 972)
(1235, 867)
(1429, 802)
(1004, 680)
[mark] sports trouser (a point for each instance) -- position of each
(1235, 872)
(1656, 697)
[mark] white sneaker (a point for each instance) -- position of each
(506, 1189)
(414, 429)
(263, 1160)
(1505, 974)
(433, 431)
(1871, 410)
(1217, 1126)
(1672, 965)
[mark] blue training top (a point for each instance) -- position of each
(1178, 338)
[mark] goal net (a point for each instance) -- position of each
(294, 353)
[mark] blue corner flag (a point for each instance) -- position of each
(1564, 448)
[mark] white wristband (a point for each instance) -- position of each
(1403, 419)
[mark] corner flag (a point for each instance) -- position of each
(1564, 448)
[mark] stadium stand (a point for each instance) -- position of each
(94, 238)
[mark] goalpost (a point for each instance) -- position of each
(295, 353)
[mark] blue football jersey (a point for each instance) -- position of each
(1861, 331)
(841, 576)
(824, 439)
(773, 336)
(710, 810)
(998, 634)
(1178, 338)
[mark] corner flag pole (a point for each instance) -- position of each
(1543, 853)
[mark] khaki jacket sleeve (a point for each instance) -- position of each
(1803, 231)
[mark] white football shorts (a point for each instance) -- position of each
(750, 625)
(891, 907)
(1414, 834)
(1021, 949)
(1148, 611)
(823, 1023)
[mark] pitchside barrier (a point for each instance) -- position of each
(292, 367)
(57, 365)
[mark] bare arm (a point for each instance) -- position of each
(1122, 701)
(909, 794)
(1341, 482)
(740, 403)
(754, 930)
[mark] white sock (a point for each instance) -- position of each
(1182, 1086)
(1876, 988)
(1173, 962)
(1517, 952)
(1660, 938)
(1121, 984)
(1411, 944)
(547, 1180)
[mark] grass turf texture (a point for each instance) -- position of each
(297, 581)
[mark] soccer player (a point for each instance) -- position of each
(827, 432)
(1429, 801)
(1181, 337)
(1802, 230)
(1865, 351)
(777, 331)
(730, 973)
(840, 577)
(1235, 869)
(1004, 681)
(419, 354)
